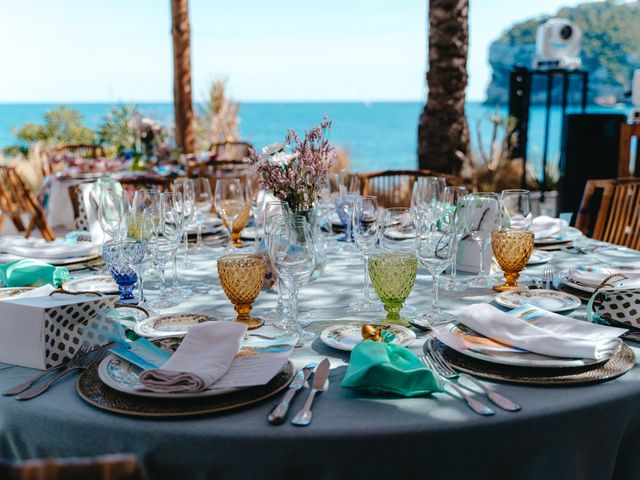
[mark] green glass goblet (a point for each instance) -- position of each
(392, 276)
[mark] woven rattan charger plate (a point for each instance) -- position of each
(92, 390)
(618, 365)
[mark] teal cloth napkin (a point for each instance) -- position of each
(31, 273)
(379, 368)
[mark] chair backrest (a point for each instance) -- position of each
(230, 150)
(610, 211)
(17, 199)
(107, 467)
(394, 187)
(627, 132)
(82, 150)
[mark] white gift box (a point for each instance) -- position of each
(468, 258)
(40, 332)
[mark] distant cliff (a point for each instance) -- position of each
(610, 51)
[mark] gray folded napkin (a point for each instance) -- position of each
(203, 357)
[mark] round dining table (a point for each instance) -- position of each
(581, 432)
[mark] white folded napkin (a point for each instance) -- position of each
(38, 248)
(543, 332)
(594, 276)
(202, 358)
(544, 226)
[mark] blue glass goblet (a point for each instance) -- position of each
(122, 259)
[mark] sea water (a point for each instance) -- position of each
(376, 135)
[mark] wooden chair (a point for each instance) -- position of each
(230, 150)
(82, 150)
(610, 211)
(16, 200)
(107, 467)
(627, 132)
(394, 187)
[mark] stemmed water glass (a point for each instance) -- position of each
(366, 229)
(186, 210)
(425, 197)
(274, 213)
(164, 241)
(344, 207)
(113, 206)
(230, 202)
(294, 254)
(123, 259)
(185, 187)
(203, 201)
(436, 249)
(450, 202)
(399, 230)
(516, 209)
(480, 214)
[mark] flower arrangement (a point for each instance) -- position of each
(296, 170)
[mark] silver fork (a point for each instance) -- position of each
(547, 276)
(82, 363)
(478, 407)
(444, 369)
(25, 385)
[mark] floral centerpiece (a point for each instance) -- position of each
(296, 171)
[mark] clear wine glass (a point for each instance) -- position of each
(366, 230)
(425, 197)
(451, 197)
(436, 249)
(275, 213)
(230, 202)
(203, 203)
(186, 210)
(294, 252)
(399, 230)
(186, 188)
(165, 240)
(516, 209)
(344, 208)
(113, 206)
(480, 214)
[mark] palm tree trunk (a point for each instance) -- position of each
(443, 134)
(182, 104)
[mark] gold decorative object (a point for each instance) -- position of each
(392, 276)
(512, 249)
(241, 276)
(241, 221)
(373, 332)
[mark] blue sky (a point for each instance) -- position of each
(120, 50)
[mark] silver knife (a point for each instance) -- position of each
(303, 417)
(278, 415)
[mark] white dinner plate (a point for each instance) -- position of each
(346, 336)
(170, 325)
(10, 292)
(122, 376)
(7, 257)
(565, 277)
(93, 283)
(130, 315)
(569, 235)
(538, 257)
(618, 255)
(550, 300)
(517, 359)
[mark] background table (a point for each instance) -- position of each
(582, 432)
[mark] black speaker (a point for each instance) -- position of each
(589, 151)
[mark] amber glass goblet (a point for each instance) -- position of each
(241, 276)
(239, 224)
(392, 276)
(512, 249)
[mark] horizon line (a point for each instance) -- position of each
(142, 102)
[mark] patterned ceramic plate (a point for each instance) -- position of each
(569, 235)
(538, 257)
(518, 359)
(10, 292)
(93, 283)
(170, 325)
(565, 277)
(550, 300)
(7, 257)
(123, 376)
(347, 336)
